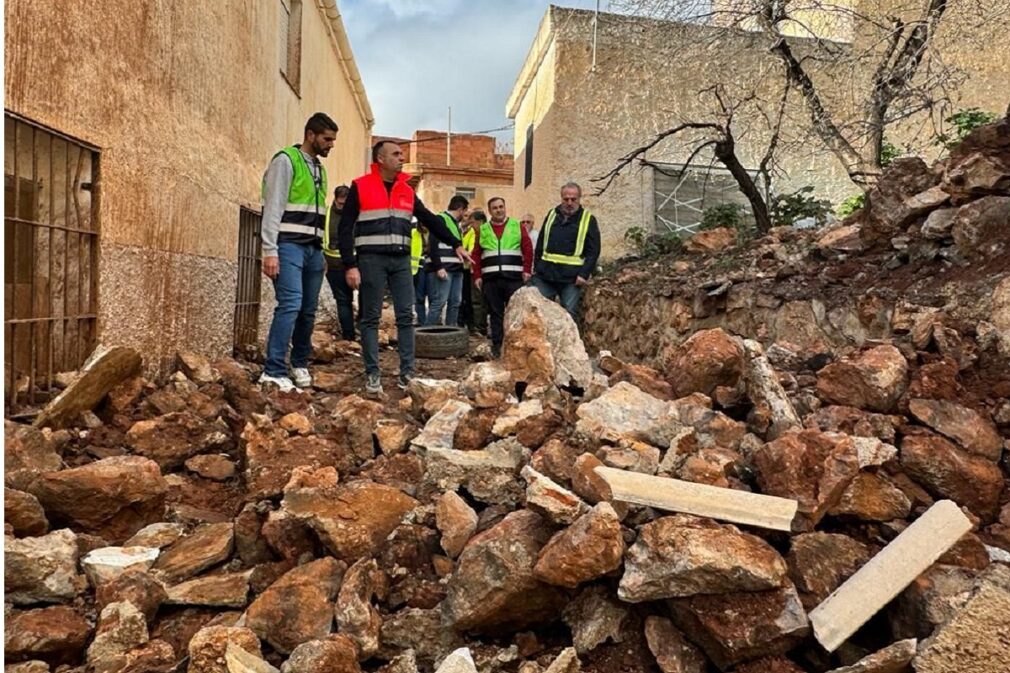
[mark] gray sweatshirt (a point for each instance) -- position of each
(278, 178)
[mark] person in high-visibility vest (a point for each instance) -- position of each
(502, 261)
(567, 250)
(466, 306)
(343, 295)
(294, 220)
(418, 257)
(444, 269)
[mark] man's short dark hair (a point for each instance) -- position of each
(457, 202)
(479, 216)
(320, 122)
(493, 199)
(378, 146)
(341, 191)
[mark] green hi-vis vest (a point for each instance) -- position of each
(502, 255)
(305, 212)
(468, 240)
(328, 237)
(416, 250)
(446, 253)
(576, 258)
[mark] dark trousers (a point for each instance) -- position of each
(344, 296)
(497, 292)
(421, 296)
(378, 272)
(466, 306)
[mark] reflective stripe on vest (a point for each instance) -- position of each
(383, 225)
(445, 250)
(575, 259)
(305, 210)
(416, 250)
(501, 255)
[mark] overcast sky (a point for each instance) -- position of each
(418, 57)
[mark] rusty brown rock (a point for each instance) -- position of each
(776, 664)
(487, 384)
(967, 427)
(556, 459)
(673, 652)
(979, 227)
(680, 555)
(216, 467)
(936, 381)
(644, 378)
(852, 421)
(708, 359)
(333, 654)
(494, 586)
(298, 607)
(456, 521)
(711, 241)
(227, 590)
(171, 439)
(357, 418)
(820, 562)
(27, 452)
(154, 656)
(271, 455)
(474, 430)
(139, 588)
(196, 367)
(589, 548)
(205, 547)
(812, 467)
(113, 497)
(872, 380)
(872, 496)
(427, 396)
(886, 212)
(356, 617)
(947, 471)
(393, 435)
(550, 500)
(55, 635)
(931, 599)
(980, 163)
(208, 647)
(733, 628)
(104, 369)
(23, 513)
(352, 520)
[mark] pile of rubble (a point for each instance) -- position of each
(548, 513)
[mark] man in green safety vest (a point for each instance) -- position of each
(294, 217)
(567, 250)
(444, 269)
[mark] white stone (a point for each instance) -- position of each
(107, 563)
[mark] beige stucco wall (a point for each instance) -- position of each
(187, 104)
(647, 78)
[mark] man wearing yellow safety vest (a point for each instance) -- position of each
(567, 250)
(502, 261)
(418, 244)
(294, 219)
(444, 269)
(343, 295)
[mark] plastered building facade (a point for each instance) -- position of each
(182, 105)
(580, 103)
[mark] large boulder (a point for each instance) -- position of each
(113, 497)
(948, 472)
(589, 548)
(677, 556)
(812, 467)
(298, 607)
(352, 520)
(542, 344)
(708, 359)
(494, 586)
(42, 569)
(55, 635)
(873, 380)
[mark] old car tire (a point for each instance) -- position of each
(441, 341)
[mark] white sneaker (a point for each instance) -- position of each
(283, 383)
(301, 377)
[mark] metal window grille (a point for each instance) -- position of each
(682, 193)
(468, 193)
(50, 260)
(247, 291)
(291, 42)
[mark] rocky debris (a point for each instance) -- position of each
(239, 660)
(872, 380)
(711, 241)
(23, 513)
(489, 475)
(157, 535)
(393, 435)
(121, 628)
(981, 621)
(351, 520)
(979, 228)
(458, 661)
(333, 654)
(427, 396)
(356, 418)
(892, 659)
(765, 390)
(197, 368)
(208, 647)
(170, 440)
(673, 652)
(205, 547)
(456, 521)
(217, 467)
(27, 452)
(356, 617)
(139, 588)
(440, 429)
(948, 472)
(227, 590)
(103, 370)
(967, 427)
(105, 564)
(814, 468)
(930, 600)
(55, 635)
(487, 385)
(542, 346)
(298, 607)
(708, 359)
(420, 631)
(590, 547)
(550, 500)
(595, 617)
(820, 562)
(494, 585)
(272, 453)
(113, 497)
(872, 496)
(680, 555)
(626, 411)
(510, 420)
(42, 569)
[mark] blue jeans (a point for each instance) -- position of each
(567, 293)
(447, 294)
(297, 290)
(378, 271)
(421, 296)
(344, 296)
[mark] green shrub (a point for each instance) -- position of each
(888, 153)
(851, 204)
(964, 122)
(722, 215)
(650, 244)
(787, 209)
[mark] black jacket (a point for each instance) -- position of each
(564, 236)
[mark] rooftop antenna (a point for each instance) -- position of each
(596, 20)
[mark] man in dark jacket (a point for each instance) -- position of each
(343, 295)
(567, 250)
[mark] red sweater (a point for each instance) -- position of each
(498, 229)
